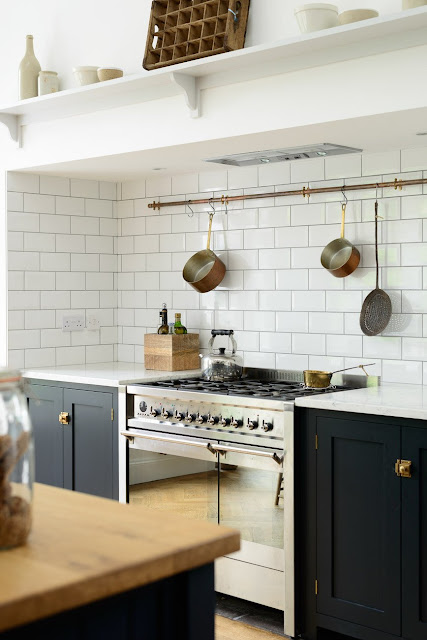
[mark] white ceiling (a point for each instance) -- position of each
(373, 133)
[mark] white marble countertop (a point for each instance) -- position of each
(106, 374)
(397, 400)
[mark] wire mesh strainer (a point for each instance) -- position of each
(376, 308)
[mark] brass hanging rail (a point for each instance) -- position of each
(306, 192)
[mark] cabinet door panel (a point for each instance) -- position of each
(358, 523)
(45, 405)
(89, 442)
(414, 535)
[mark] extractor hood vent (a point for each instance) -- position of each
(284, 155)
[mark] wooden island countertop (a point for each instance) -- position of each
(83, 549)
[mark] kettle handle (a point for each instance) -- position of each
(223, 332)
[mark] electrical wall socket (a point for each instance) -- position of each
(73, 323)
(92, 323)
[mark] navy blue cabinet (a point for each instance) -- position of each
(81, 452)
(361, 526)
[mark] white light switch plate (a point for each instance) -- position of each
(92, 323)
(73, 323)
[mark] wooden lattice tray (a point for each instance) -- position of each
(182, 30)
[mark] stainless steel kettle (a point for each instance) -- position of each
(222, 366)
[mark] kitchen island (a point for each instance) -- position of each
(94, 568)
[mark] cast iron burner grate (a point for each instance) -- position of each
(274, 390)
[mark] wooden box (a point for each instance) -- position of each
(182, 30)
(171, 352)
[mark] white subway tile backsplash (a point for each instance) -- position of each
(272, 174)
(99, 208)
(349, 166)
(380, 162)
(83, 226)
(259, 280)
(39, 358)
(39, 280)
(23, 182)
(288, 312)
(68, 244)
(36, 203)
(292, 279)
(307, 170)
(275, 301)
(308, 300)
(291, 237)
(402, 371)
(84, 188)
(213, 181)
(55, 185)
(343, 301)
(19, 221)
(309, 343)
(133, 189)
(15, 201)
(259, 238)
(292, 322)
(414, 159)
(344, 345)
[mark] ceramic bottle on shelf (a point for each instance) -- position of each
(29, 70)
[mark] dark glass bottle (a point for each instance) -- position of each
(179, 328)
(163, 329)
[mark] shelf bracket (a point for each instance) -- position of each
(189, 87)
(10, 121)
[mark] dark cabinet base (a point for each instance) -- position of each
(178, 608)
(82, 454)
(361, 564)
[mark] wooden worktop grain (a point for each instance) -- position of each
(84, 548)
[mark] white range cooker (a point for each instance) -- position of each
(223, 452)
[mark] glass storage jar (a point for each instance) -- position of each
(16, 461)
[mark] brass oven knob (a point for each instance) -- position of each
(252, 424)
(267, 426)
(154, 412)
(202, 418)
(179, 416)
(237, 423)
(225, 422)
(166, 414)
(190, 417)
(213, 420)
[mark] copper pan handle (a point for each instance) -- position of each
(344, 205)
(211, 215)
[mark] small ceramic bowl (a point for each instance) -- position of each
(109, 73)
(314, 17)
(355, 15)
(412, 4)
(85, 75)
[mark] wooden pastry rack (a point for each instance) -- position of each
(182, 30)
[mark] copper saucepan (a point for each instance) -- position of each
(322, 379)
(340, 257)
(204, 271)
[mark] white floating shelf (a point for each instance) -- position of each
(370, 37)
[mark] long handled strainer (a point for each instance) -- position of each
(376, 308)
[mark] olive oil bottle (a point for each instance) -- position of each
(163, 329)
(178, 327)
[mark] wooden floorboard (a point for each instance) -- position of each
(227, 629)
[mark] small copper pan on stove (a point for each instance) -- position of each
(322, 379)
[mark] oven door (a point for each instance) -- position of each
(251, 500)
(175, 474)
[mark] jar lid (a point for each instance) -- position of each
(53, 73)
(9, 375)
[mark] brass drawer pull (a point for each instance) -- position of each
(64, 417)
(403, 468)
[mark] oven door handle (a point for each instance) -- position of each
(222, 449)
(130, 436)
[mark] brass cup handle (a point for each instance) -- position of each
(64, 417)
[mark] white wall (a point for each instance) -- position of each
(104, 32)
